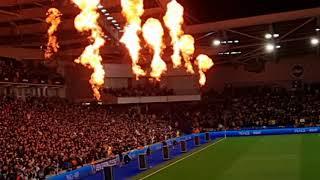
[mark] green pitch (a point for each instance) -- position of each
(292, 157)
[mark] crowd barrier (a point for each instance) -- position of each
(81, 173)
(95, 171)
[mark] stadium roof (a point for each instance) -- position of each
(245, 23)
(213, 10)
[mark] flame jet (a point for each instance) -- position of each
(204, 64)
(87, 20)
(132, 10)
(186, 44)
(173, 20)
(54, 19)
(153, 34)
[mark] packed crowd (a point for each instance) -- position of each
(43, 136)
(258, 107)
(27, 72)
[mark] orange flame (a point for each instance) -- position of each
(173, 20)
(54, 19)
(133, 10)
(204, 64)
(91, 58)
(153, 34)
(186, 44)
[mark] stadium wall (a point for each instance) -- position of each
(77, 82)
(280, 73)
(120, 75)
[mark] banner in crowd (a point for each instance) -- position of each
(98, 166)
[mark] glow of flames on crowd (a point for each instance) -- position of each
(152, 31)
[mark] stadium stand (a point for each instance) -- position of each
(30, 71)
(112, 86)
(44, 136)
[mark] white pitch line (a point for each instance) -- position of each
(175, 162)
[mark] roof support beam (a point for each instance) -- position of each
(245, 34)
(252, 21)
(8, 3)
(66, 24)
(318, 34)
(8, 13)
(23, 53)
(297, 28)
(205, 36)
(28, 53)
(163, 3)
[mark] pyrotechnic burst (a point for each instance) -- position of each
(54, 19)
(132, 11)
(91, 58)
(186, 44)
(173, 19)
(204, 63)
(181, 43)
(153, 34)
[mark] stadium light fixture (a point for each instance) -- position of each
(317, 29)
(314, 41)
(107, 14)
(268, 36)
(278, 46)
(100, 6)
(114, 21)
(216, 42)
(109, 18)
(103, 10)
(270, 47)
(235, 52)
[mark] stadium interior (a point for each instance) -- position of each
(159, 89)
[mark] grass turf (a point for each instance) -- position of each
(292, 157)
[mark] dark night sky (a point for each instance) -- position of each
(215, 10)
